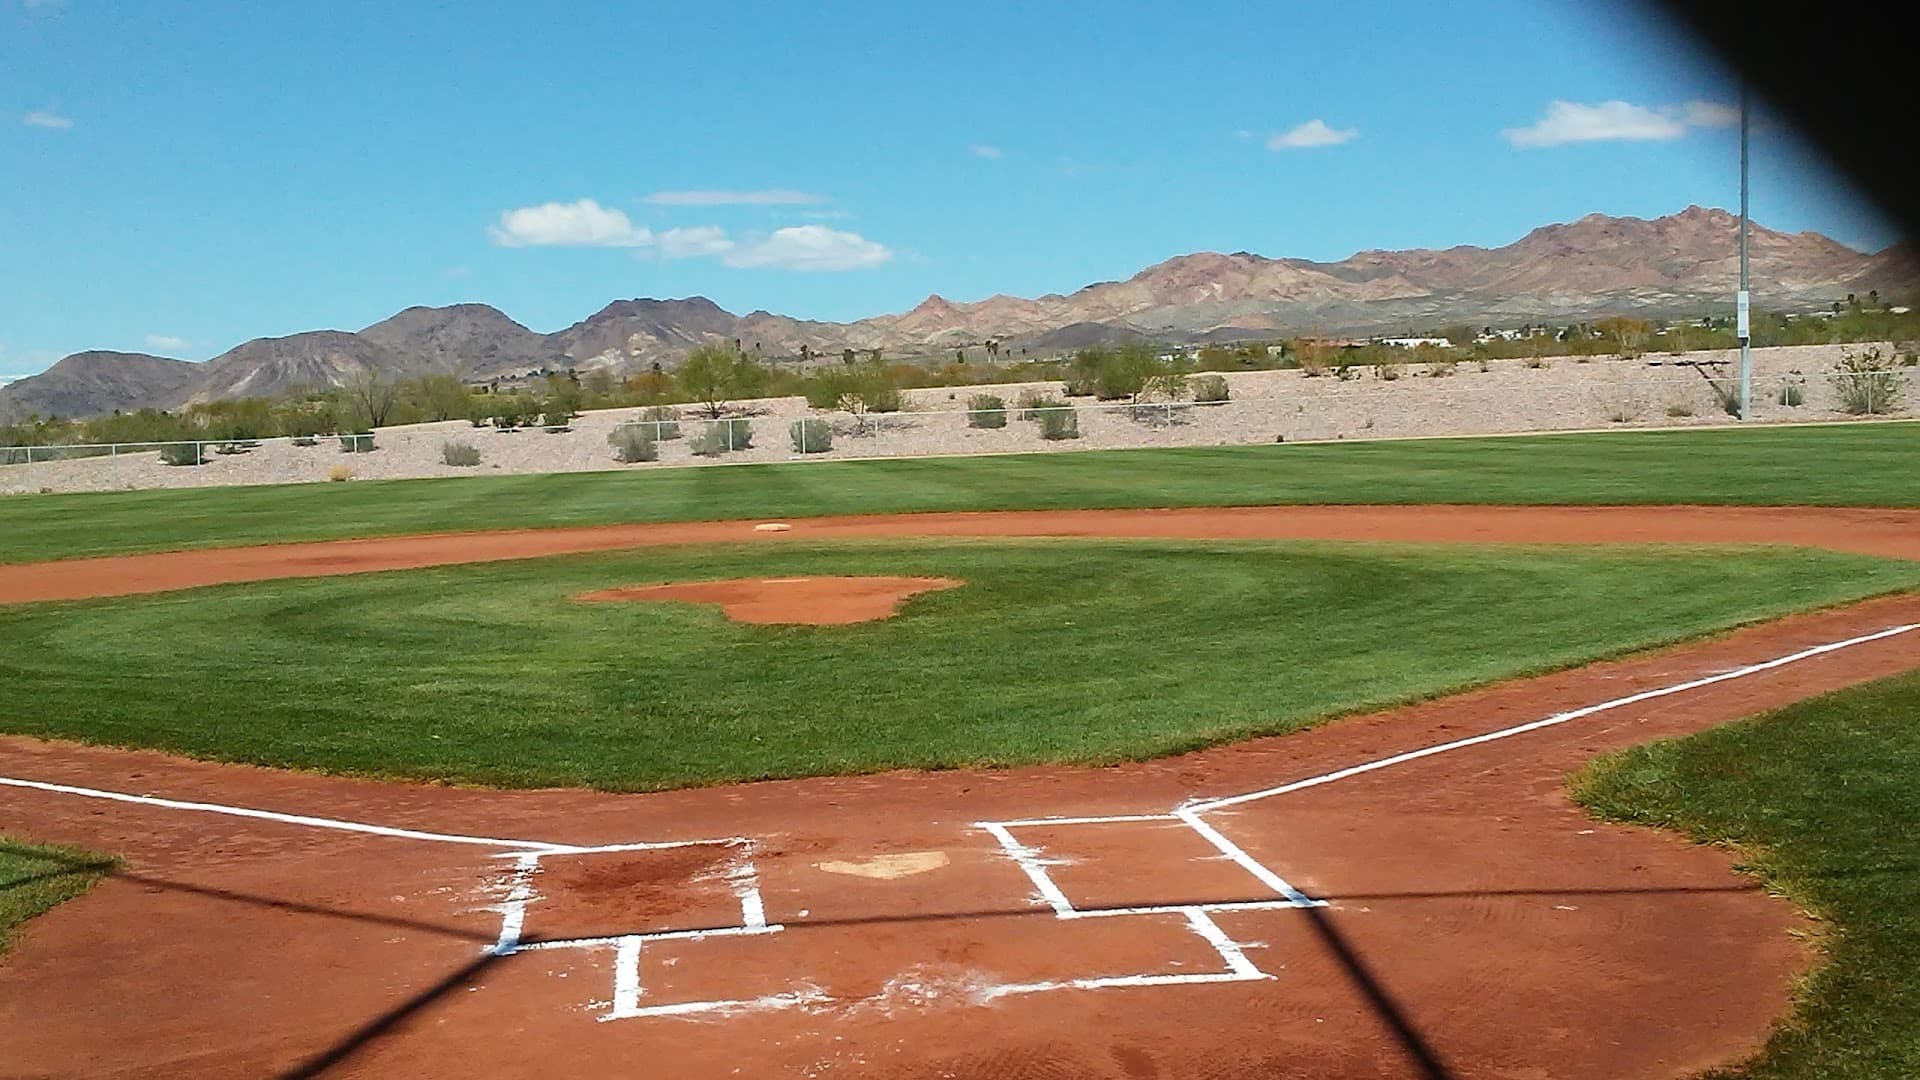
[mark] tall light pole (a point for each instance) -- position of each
(1742, 300)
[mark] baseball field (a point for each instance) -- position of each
(1571, 756)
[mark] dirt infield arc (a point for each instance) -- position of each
(1892, 533)
(1403, 894)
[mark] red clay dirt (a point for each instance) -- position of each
(810, 601)
(1479, 924)
(1892, 533)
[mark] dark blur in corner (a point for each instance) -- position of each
(1844, 75)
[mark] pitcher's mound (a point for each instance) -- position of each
(820, 601)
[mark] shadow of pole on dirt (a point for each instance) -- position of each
(300, 908)
(1425, 1058)
(387, 1021)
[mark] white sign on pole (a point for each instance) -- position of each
(1740, 303)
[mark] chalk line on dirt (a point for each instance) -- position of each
(743, 876)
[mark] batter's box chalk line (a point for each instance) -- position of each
(630, 1000)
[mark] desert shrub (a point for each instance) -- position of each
(1210, 389)
(1031, 402)
(339, 472)
(1312, 358)
(1440, 369)
(305, 440)
(1389, 370)
(635, 443)
(826, 389)
(883, 398)
(459, 454)
(229, 448)
(986, 411)
(721, 436)
(556, 416)
(1345, 371)
(1538, 362)
(1679, 409)
(356, 444)
(182, 453)
(1057, 424)
(811, 435)
(512, 410)
(663, 422)
(1082, 377)
(1793, 393)
(1725, 390)
(1866, 382)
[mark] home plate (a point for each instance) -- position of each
(888, 867)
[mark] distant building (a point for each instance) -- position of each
(1415, 342)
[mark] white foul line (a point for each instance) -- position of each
(1203, 806)
(509, 847)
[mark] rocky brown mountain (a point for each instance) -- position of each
(318, 359)
(91, 383)
(1674, 265)
(470, 340)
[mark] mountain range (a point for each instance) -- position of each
(1673, 265)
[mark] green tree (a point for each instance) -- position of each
(440, 397)
(370, 396)
(1629, 335)
(712, 375)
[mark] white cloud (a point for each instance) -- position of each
(43, 119)
(810, 247)
(1569, 122)
(166, 341)
(700, 240)
(1314, 132)
(576, 224)
(766, 197)
(1710, 114)
(985, 150)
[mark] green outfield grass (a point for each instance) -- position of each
(36, 877)
(1823, 799)
(1874, 464)
(1067, 651)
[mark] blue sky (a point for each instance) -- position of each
(178, 178)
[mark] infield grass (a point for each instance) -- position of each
(1823, 800)
(34, 878)
(1876, 464)
(1068, 651)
